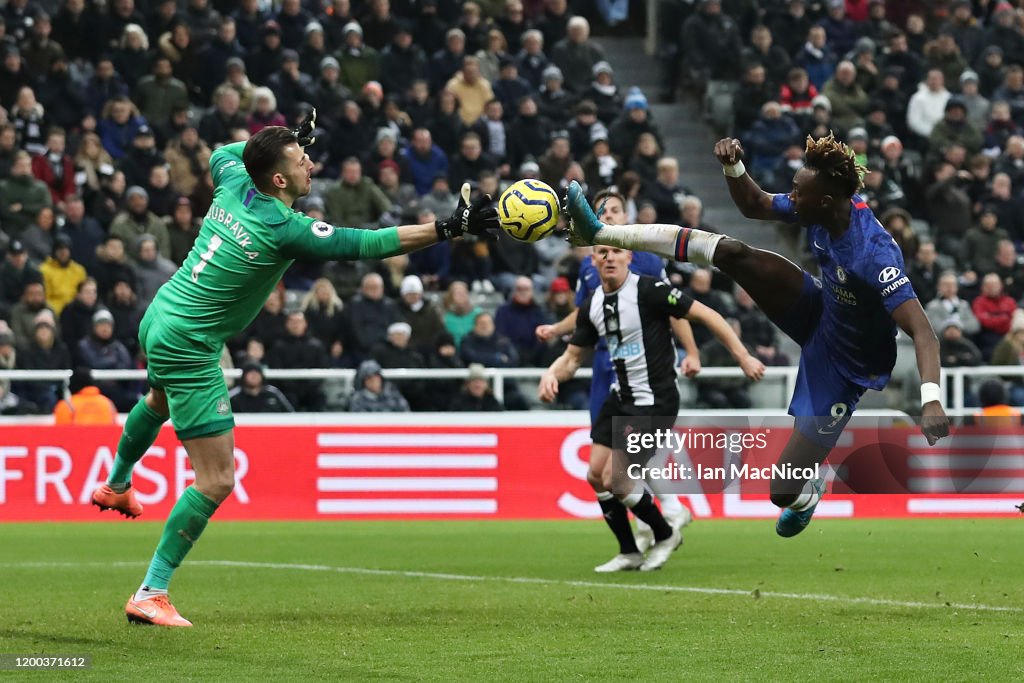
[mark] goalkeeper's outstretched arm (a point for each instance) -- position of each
(311, 240)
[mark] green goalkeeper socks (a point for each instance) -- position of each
(187, 521)
(140, 431)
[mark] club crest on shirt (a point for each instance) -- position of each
(840, 274)
(321, 229)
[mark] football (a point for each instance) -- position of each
(528, 210)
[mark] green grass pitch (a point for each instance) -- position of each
(847, 600)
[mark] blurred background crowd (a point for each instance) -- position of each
(109, 113)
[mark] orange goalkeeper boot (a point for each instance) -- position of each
(154, 611)
(105, 498)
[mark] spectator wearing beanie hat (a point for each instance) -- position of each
(137, 220)
(403, 197)
(402, 61)
(385, 148)
(99, 350)
(978, 106)
(43, 351)
(360, 63)
(397, 352)
(604, 93)
(290, 85)
(423, 316)
(634, 121)
(476, 395)
(314, 49)
(554, 101)
(560, 299)
(373, 394)
(266, 58)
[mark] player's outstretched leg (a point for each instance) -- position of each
(774, 282)
(798, 499)
(140, 431)
(212, 459)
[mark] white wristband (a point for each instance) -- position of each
(930, 391)
(734, 171)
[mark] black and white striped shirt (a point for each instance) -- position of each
(634, 320)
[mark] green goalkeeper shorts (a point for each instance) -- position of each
(189, 373)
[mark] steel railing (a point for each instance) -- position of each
(953, 380)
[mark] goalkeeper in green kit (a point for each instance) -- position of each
(249, 237)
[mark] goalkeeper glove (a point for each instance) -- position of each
(305, 130)
(476, 218)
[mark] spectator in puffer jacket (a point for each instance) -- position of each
(101, 351)
(374, 395)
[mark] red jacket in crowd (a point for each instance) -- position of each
(58, 190)
(994, 313)
(797, 102)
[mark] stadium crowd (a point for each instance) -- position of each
(109, 113)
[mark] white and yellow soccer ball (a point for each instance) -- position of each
(528, 210)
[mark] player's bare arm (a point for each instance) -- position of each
(751, 366)
(912, 320)
(562, 327)
(750, 199)
(684, 333)
(562, 370)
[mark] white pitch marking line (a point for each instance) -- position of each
(439, 576)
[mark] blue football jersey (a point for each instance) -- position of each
(644, 263)
(863, 281)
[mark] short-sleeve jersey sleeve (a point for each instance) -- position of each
(664, 299)
(585, 334)
(886, 273)
(782, 205)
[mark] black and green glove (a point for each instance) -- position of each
(476, 218)
(303, 134)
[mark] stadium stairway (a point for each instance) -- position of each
(687, 138)
(691, 141)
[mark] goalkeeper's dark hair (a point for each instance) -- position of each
(263, 154)
(835, 163)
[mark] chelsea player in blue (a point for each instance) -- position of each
(845, 321)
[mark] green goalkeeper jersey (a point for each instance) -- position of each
(246, 242)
